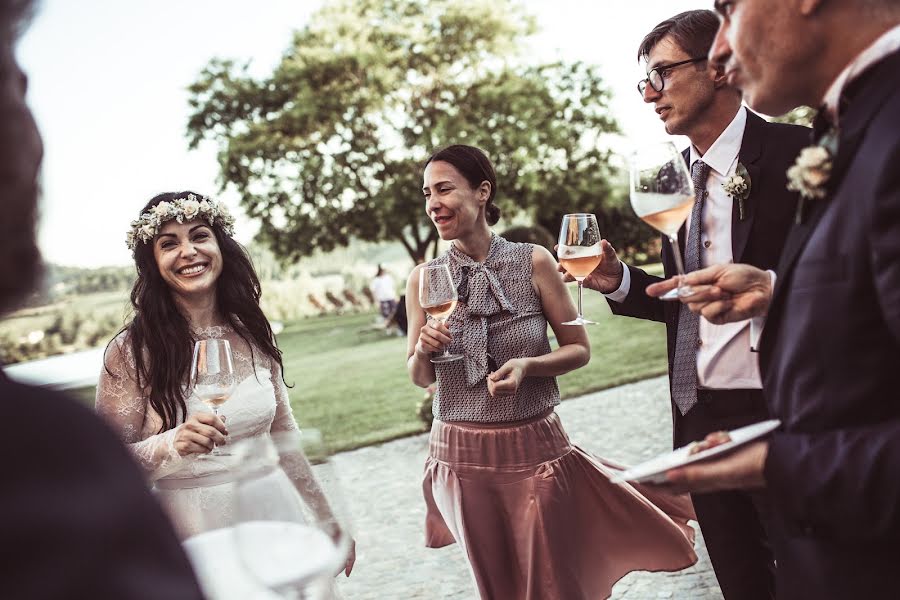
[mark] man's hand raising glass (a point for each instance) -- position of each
(607, 277)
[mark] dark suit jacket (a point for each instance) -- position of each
(76, 517)
(767, 150)
(830, 356)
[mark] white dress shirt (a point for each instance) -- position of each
(383, 288)
(888, 43)
(724, 358)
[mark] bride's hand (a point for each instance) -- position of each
(200, 433)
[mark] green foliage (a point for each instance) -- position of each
(534, 234)
(330, 146)
(65, 327)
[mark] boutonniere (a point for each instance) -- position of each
(738, 187)
(808, 176)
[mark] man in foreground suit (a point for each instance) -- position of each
(76, 518)
(830, 348)
(720, 386)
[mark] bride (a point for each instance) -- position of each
(195, 282)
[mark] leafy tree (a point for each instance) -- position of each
(330, 145)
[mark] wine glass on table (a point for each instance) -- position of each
(438, 298)
(212, 374)
(662, 195)
(579, 253)
(288, 535)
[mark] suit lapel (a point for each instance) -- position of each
(872, 90)
(751, 150)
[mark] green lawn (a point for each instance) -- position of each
(351, 383)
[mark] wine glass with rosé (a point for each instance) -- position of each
(213, 377)
(579, 253)
(662, 195)
(438, 297)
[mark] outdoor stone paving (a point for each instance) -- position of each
(382, 488)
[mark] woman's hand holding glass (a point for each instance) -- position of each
(434, 337)
(438, 298)
(200, 434)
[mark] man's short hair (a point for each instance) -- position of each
(693, 31)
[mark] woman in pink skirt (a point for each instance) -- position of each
(537, 517)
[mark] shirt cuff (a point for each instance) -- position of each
(757, 324)
(622, 292)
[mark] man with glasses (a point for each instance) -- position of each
(714, 378)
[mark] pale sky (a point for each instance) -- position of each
(107, 84)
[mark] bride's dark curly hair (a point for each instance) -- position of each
(159, 334)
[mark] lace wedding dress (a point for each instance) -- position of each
(196, 490)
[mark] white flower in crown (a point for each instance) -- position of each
(192, 207)
(162, 210)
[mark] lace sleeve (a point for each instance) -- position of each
(124, 406)
(294, 462)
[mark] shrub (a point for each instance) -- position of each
(532, 234)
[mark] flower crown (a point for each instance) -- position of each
(181, 209)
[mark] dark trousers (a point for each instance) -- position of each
(733, 523)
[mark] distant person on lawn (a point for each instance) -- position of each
(385, 291)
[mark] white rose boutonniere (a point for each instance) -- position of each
(738, 187)
(808, 176)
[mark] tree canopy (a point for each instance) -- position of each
(331, 144)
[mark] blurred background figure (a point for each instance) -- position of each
(75, 513)
(385, 290)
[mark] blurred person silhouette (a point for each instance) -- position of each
(384, 289)
(76, 518)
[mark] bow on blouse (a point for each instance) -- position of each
(480, 296)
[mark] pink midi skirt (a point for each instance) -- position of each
(539, 519)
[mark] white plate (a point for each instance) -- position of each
(654, 470)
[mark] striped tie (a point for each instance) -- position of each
(684, 367)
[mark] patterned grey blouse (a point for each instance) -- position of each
(499, 317)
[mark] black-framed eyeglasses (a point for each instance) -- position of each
(657, 75)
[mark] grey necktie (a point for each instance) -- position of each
(684, 367)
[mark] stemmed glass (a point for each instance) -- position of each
(662, 195)
(579, 253)
(291, 542)
(438, 297)
(212, 374)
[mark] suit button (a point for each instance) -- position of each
(699, 343)
(707, 244)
